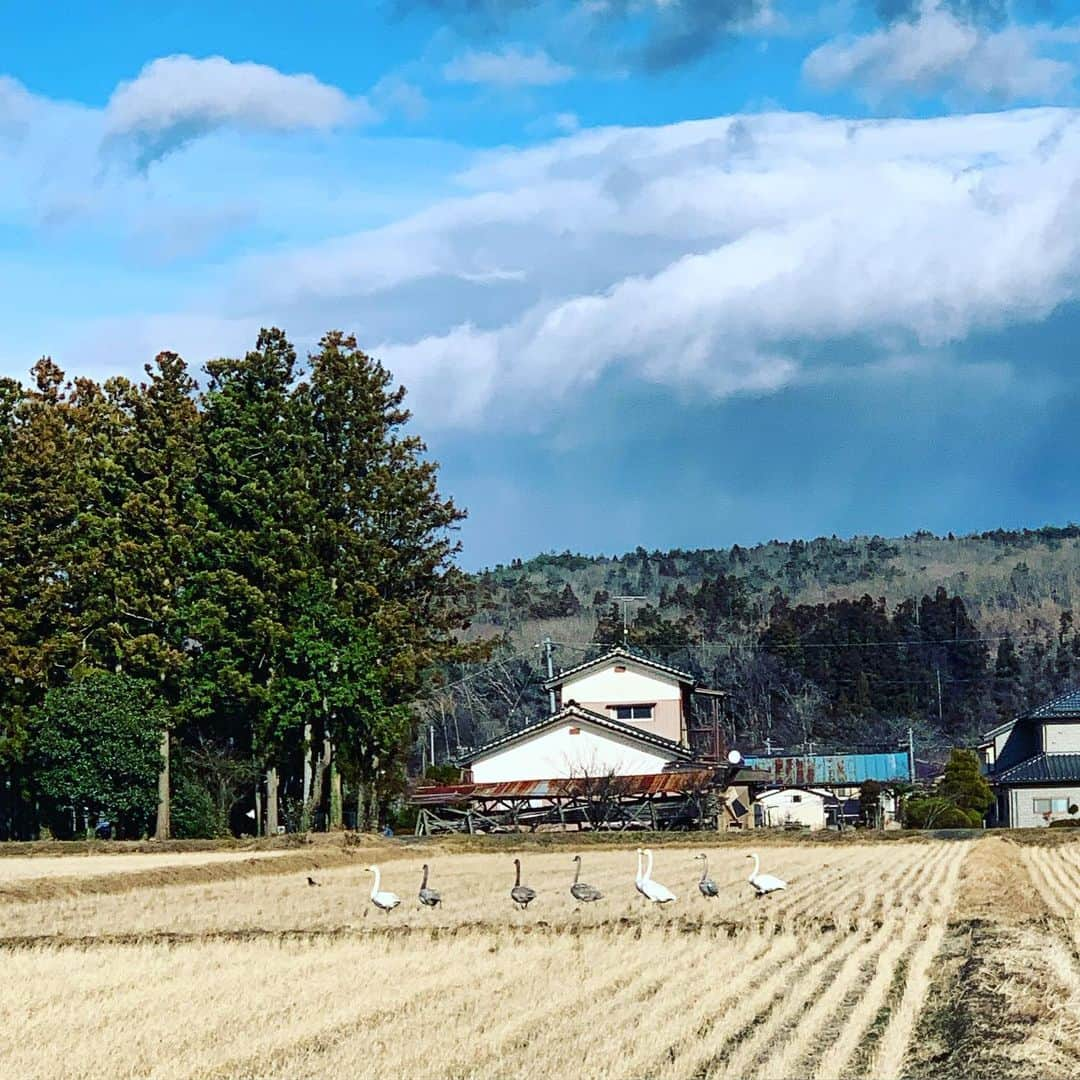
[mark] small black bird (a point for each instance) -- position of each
(312, 881)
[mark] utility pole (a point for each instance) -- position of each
(626, 601)
(938, 672)
(911, 751)
(546, 645)
(431, 732)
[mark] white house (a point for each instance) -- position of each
(1033, 763)
(792, 806)
(574, 742)
(648, 696)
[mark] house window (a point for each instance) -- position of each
(632, 712)
(1051, 806)
(796, 798)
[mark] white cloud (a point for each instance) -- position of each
(715, 257)
(711, 256)
(510, 66)
(940, 54)
(177, 98)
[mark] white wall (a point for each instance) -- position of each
(779, 807)
(1061, 738)
(629, 687)
(555, 753)
(1022, 813)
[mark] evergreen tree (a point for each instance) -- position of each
(384, 548)
(252, 556)
(95, 746)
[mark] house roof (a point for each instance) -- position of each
(1043, 769)
(571, 711)
(625, 655)
(1064, 707)
(1067, 705)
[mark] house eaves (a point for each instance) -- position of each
(624, 656)
(573, 711)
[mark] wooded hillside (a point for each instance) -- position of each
(828, 641)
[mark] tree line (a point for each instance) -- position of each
(218, 594)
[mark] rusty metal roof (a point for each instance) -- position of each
(667, 783)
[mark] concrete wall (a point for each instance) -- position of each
(573, 748)
(1021, 800)
(667, 718)
(1061, 738)
(599, 689)
(802, 807)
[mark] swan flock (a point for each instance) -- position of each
(523, 895)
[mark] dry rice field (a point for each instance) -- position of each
(902, 959)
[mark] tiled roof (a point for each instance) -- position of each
(1043, 769)
(1067, 705)
(619, 653)
(573, 710)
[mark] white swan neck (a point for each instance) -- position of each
(375, 883)
(757, 865)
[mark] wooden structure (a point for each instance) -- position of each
(684, 798)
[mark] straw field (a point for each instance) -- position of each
(869, 964)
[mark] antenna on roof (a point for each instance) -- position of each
(626, 601)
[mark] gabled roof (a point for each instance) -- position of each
(987, 736)
(1066, 706)
(1043, 769)
(574, 711)
(618, 653)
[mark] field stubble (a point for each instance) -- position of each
(263, 975)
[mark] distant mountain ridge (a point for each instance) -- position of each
(830, 640)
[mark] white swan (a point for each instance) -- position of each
(640, 877)
(653, 890)
(383, 900)
(764, 883)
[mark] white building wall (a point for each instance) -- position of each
(1061, 738)
(629, 687)
(1022, 813)
(800, 807)
(555, 753)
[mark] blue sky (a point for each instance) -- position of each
(659, 272)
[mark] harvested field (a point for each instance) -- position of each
(860, 968)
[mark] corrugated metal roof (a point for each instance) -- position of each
(667, 783)
(801, 770)
(575, 711)
(1066, 705)
(619, 653)
(1043, 769)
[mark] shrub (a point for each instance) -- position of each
(1065, 823)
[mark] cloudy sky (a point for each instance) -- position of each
(659, 272)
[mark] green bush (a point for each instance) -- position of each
(193, 813)
(936, 812)
(1065, 823)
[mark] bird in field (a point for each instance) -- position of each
(580, 891)
(428, 897)
(653, 890)
(383, 900)
(706, 885)
(640, 876)
(763, 883)
(312, 881)
(522, 895)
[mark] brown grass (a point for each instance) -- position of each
(254, 973)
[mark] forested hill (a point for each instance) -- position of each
(831, 641)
